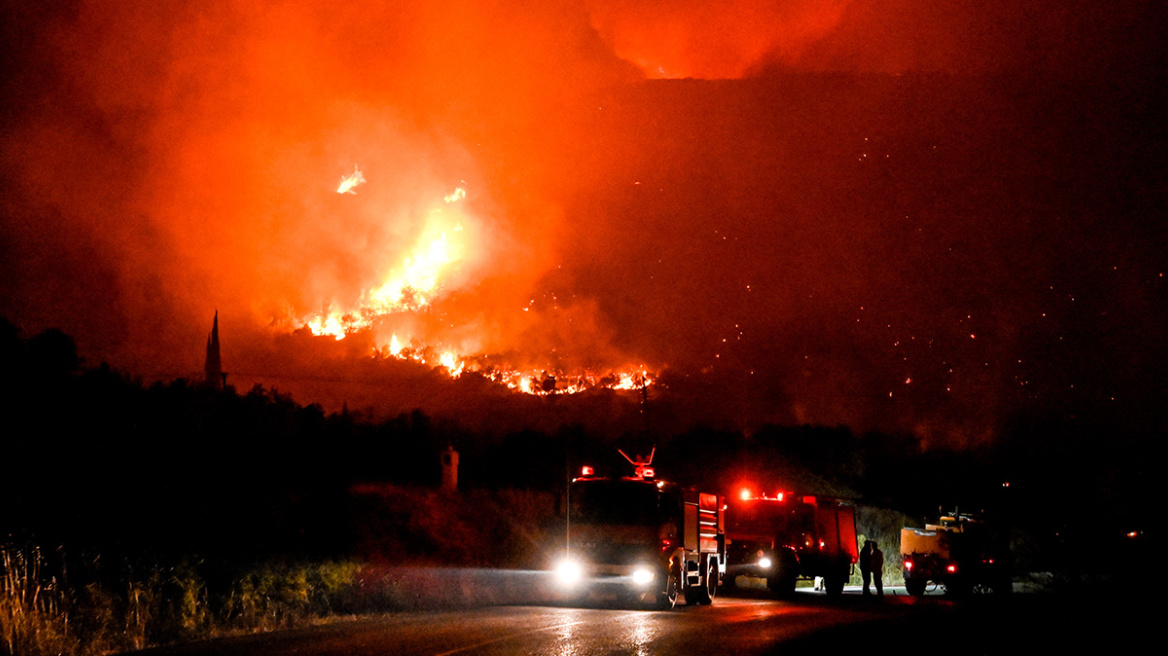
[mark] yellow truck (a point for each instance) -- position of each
(960, 553)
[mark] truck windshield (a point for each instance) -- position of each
(617, 502)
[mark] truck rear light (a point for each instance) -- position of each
(666, 545)
(908, 564)
(586, 471)
(952, 568)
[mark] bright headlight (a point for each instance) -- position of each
(568, 572)
(764, 562)
(642, 576)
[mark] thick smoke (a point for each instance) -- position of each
(714, 40)
(670, 39)
(192, 151)
(162, 162)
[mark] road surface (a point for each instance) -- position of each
(744, 625)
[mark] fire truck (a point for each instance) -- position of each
(642, 540)
(785, 537)
(962, 553)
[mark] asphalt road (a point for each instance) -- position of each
(740, 625)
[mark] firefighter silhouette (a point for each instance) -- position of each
(866, 565)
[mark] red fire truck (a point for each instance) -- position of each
(785, 537)
(642, 540)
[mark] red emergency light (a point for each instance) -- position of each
(746, 494)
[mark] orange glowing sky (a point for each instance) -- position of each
(162, 162)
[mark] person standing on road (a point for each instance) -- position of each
(866, 565)
(876, 563)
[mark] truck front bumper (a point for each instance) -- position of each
(577, 576)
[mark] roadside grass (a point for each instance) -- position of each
(883, 526)
(33, 609)
(420, 548)
(41, 613)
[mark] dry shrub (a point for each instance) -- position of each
(33, 608)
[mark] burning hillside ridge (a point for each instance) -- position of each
(821, 246)
(398, 302)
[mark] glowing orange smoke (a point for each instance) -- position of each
(678, 39)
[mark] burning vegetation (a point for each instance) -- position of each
(428, 271)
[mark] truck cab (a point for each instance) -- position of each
(642, 540)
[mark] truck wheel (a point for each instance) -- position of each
(786, 574)
(915, 586)
(834, 585)
(956, 587)
(704, 592)
(1003, 585)
(668, 598)
(834, 582)
(708, 590)
(783, 586)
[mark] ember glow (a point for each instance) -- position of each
(349, 183)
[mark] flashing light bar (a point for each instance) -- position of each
(746, 494)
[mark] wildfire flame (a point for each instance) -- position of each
(349, 183)
(458, 194)
(535, 382)
(417, 281)
(410, 286)
(413, 285)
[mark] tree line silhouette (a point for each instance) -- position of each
(101, 460)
